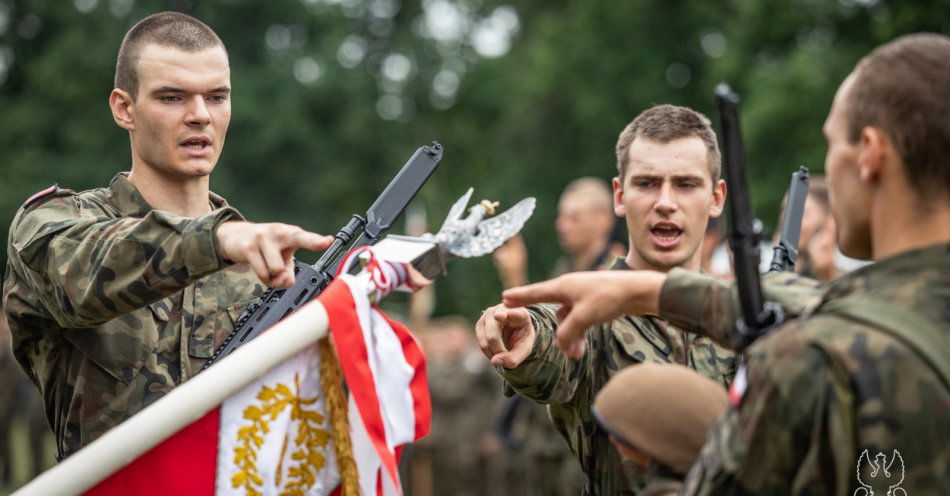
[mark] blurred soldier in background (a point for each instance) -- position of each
(584, 224)
(585, 220)
(464, 395)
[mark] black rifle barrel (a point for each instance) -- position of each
(757, 316)
(311, 280)
(785, 253)
(743, 237)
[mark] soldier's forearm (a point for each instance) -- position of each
(705, 305)
(699, 303)
(97, 270)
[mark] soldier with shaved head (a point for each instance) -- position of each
(116, 295)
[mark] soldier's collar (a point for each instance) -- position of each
(620, 263)
(891, 271)
(126, 198)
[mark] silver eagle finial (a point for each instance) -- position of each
(476, 234)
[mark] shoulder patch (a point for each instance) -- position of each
(40, 194)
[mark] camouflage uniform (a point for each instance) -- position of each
(825, 388)
(463, 392)
(661, 482)
(112, 304)
(569, 386)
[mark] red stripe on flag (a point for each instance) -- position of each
(184, 464)
(419, 387)
(354, 360)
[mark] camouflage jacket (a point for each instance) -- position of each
(569, 386)
(822, 397)
(111, 304)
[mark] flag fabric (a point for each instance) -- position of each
(274, 436)
(385, 371)
(271, 437)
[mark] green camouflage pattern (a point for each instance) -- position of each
(823, 389)
(709, 306)
(112, 304)
(569, 386)
(661, 482)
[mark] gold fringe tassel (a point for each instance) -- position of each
(331, 378)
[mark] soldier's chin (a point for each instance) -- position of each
(200, 170)
(666, 260)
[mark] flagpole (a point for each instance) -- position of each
(182, 406)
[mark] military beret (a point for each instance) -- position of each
(661, 410)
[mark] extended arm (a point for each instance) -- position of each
(693, 301)
(87, 268)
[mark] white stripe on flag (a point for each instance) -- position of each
(391, 372)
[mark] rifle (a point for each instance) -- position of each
(311, 280)
(786, 251)
(758, 316)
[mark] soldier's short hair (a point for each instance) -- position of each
(903, 89)
(665, 123)
(166, 29)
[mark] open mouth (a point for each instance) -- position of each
(196, 144)
(666, 235)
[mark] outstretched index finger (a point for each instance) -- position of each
(542, 292)
(312, 241)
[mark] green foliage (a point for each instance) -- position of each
(308, 145)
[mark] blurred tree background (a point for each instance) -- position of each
(332, 96)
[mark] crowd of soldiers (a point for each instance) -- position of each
(617, 381)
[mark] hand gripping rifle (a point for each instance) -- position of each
(758, 316)
(311, 280)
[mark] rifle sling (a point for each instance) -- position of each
(919, 334)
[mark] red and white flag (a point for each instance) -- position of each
(274, 437)
(385, 371)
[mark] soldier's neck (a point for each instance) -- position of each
(187, 197)
(637, 262)
(896, 229)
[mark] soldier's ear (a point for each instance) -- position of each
(123, 109)
(619, 209)
(875, 151)
(718, 198)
